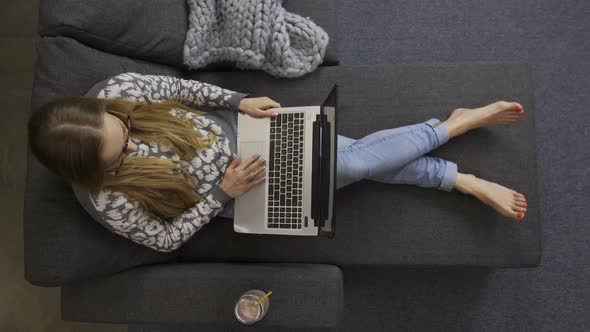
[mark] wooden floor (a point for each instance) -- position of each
(23, 307)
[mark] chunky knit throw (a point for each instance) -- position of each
(254, 34)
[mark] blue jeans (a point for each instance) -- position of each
(396, 156)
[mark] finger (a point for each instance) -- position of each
(255, 165)
(253, 175)
(261, 171)
(256, 173)
(271, 103)
(264, 114)
(257, 182)
(235, 161)
(246, 163)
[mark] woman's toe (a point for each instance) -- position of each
(517, 194)
(519, 200)
(516, 208)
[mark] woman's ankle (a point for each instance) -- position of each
(456, 126)
(464, 183)
(452, 128)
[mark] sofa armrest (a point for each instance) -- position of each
(303, 295)
(62, 243)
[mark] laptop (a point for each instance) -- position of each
(299, 146)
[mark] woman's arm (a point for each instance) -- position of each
(156, 88)
(127, 217)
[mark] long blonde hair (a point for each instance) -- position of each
(66, 135)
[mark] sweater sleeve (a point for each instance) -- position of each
(155, 88)
(127, 217)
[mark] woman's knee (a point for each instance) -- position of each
(344, 141)
(352, 169)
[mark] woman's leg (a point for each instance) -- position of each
(357, 160)
(424, 171)
(386, 151)
(428, 172)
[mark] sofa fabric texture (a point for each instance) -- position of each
(303, 295)
(157, 29)
(386, 225)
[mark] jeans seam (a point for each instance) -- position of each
(435, 125)
(350, 147)
(437, 138)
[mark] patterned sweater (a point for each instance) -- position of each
(125, 216)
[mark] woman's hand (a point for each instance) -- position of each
(239, 178)
(256, 107)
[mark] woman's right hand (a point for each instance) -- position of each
(239, 178)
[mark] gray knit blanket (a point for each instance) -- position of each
(253, 34)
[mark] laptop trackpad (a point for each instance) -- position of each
(250, 205)
(247, 149)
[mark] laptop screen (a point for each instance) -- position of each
(328, 143)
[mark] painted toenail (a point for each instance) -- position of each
(519, 214)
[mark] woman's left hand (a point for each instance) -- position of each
(257, 107)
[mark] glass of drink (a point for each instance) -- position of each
(247, 311)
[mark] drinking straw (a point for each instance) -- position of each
(263, 298)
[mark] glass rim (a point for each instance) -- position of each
(252, 299)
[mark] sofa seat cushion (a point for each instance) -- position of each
(155, 30)
(375, 223)
(385, 224)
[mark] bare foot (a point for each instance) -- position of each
(501, 112)
(507, 202)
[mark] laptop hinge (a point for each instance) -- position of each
(325, 171)
(316, 178)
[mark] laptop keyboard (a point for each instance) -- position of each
(285, 165)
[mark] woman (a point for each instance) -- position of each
(148, 164)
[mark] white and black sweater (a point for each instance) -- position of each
(125, 216)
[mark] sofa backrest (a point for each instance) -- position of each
(154, 30)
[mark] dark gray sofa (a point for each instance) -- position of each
(106, 278)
